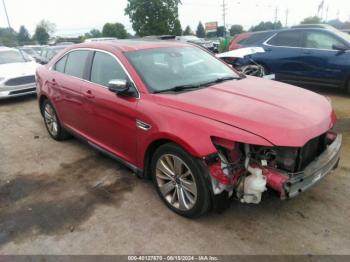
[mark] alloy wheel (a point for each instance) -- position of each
(176, 182)
(253, 70)
(51, 120)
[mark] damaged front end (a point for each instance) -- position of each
(245, 171)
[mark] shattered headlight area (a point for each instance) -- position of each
(245, 171)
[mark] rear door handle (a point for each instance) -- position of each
(88, 94)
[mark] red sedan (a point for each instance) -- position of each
(203, 132)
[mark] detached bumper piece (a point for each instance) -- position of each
(315, 171)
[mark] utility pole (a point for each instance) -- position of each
(287, 14)
(7, 17)
(276, 17)
(224, 15)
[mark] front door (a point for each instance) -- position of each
(110, 118)
(322, 64)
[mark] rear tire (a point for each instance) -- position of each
(52, 123)
(179, 180)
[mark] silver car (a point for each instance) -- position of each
(17, 73)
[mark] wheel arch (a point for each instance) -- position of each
(151, 149)
(267, 68)
(159, 141)
(42, 98)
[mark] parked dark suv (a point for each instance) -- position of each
(306, 56)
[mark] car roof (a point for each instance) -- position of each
(324, 26)
(4, 48)
(131, 45)
(294, 29)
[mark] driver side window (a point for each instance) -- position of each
(106, 68)
(321, 40)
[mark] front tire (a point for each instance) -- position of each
(52, 123)
(179, 180)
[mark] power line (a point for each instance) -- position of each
(7, 17)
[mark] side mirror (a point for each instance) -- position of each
(340, 47)
(118, 86)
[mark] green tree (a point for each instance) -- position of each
(236, 29)
(336, 23)
(23, 36)
(346, 25)
(266, 26)
(311, 20)
(153, 17)
(200, 32)
(94, 33)
(8, 37)
(188, 31)
(41, 35)
(177, 28)
(49, 27)
(114, 30)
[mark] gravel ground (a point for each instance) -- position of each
(64, 198)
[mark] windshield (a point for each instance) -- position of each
(165, 68)
(12, 56)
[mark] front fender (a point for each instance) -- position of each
(190, 131)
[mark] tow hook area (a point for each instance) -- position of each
(250, 189)
(235, 176)
(244, 172)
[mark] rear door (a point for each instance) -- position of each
(67, 82)
(282, 55)
(110, 118)
(322, 65)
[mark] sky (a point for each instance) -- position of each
(73, 17)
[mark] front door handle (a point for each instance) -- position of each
(88, 94)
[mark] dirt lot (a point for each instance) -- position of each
(64, 198)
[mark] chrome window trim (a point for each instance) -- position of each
(307, 48)
(51, 68)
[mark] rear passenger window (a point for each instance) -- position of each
(75, 64)
(106, 68)
(289, 39)
(60, 65)
(255, 38)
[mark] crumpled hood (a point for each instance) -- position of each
(282, 114)
(17, 69)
